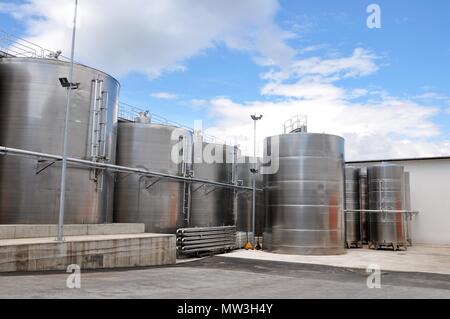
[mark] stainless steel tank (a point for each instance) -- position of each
(408, 216)
(212, 205)
(364, 204)
(386, 184)
(305, 197)
(158, 203)
(352, 202)
(32, 112)
(244, 211)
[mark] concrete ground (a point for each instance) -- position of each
(418, 258)
(224, 278)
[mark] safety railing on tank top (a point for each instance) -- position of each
(130, 112)
(296, 124)
(13, 46)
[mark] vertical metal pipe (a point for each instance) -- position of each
(253, 180)
(62, 198)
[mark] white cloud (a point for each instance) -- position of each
(164, 95)
(357, 93)
(431, 96)
(385, 127)
(312, 78)
(360, 63)
(154, 36)
(198, 104)
(390, 128)
(312, 48)
(383, 147)
(304, 90)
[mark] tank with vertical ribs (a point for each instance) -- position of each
(244, 211)
(305, 196)
(158, 203)
(364, 205)
(211, 205)
(352, 202)
(408, 208)
(386, 184)
(32, 113)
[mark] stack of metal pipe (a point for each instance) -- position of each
(205, 240)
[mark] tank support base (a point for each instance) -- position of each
(353, 244)
(395, 246)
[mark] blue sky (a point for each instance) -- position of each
(188, 69)
(414, 43)
(411, 42)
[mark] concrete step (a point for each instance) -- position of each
(88, 252)
(38, 231)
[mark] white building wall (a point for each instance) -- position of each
(430, 195)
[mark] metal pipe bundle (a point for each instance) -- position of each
(203, 240)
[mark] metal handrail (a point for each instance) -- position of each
(130, 112)
(298, 123)
(116, 168)
(19, 47)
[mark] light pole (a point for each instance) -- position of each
(254, 171)
(70, 86)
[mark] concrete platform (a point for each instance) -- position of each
(419, 258)
(36, 231)
(96, 247)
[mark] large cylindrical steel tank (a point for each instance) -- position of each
(32, 113)
(305, 196)
(364, 205)
(386, 184)
(244, 211)
(212, 205)
(158, 203)
(352, 202)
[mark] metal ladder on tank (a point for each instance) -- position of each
(99, 116)
(187, 203)
(186, 171)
